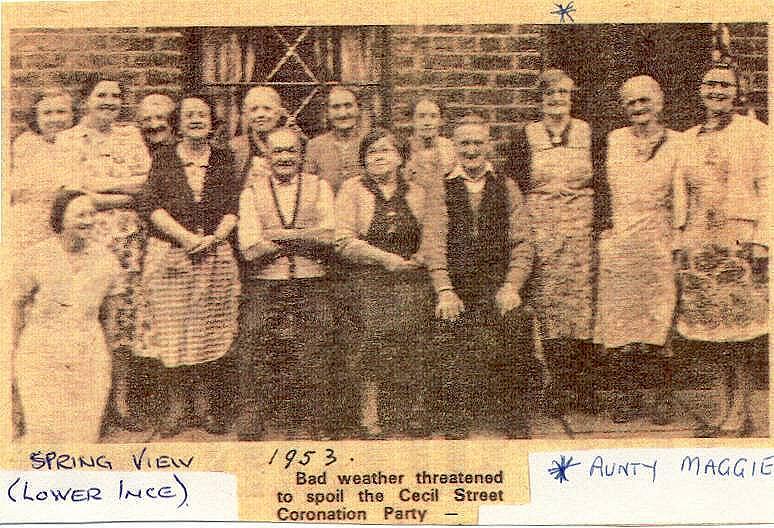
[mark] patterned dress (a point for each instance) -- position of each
(637, 292)
(555, 174)
(724, 285)
(85, 152)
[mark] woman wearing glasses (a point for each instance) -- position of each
(724, 297)
(379, 230)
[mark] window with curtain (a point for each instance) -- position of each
(300, 62)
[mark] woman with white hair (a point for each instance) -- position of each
(637, 292)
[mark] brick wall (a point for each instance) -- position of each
(749, 46)
(488, 69)
(147, 59)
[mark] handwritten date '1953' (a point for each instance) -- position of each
(304, 458)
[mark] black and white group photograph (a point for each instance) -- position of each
(448, 232)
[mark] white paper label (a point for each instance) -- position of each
(653, 486)
(91, 496)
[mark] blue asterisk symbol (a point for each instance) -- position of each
(559, 469)
(563, 11)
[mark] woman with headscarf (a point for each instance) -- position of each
(724, 273)
(637, 293)
(551, 161)
(190, 280)
(59, 359)
(109, 160)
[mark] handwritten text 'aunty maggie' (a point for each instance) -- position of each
(693, 465)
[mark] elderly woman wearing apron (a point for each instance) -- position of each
(637, 291)
(551, 161)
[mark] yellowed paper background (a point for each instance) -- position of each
(259, 481)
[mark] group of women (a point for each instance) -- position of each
(123, 222)
(681, 244)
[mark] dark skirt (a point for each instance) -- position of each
(393, 314)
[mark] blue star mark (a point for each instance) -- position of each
(559, 470)
(564, 12)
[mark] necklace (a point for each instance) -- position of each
(647, 145)
(280, 214)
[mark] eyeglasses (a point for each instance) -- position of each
(717, 84)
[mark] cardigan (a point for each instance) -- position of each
(355, 206)
(167, 188)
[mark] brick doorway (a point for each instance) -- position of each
(601, 57)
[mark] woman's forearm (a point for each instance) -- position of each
(111, 201)
(164, 222)
(225, 227)
(361, 252)
(319, 235)
(125, 185)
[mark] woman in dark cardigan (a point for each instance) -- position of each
(188, 319)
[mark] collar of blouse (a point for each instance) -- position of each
(722, 121)
(192, 158)
(459, 172)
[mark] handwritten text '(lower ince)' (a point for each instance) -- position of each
(23, 490)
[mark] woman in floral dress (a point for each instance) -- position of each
(110, 161)
(724, 273)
